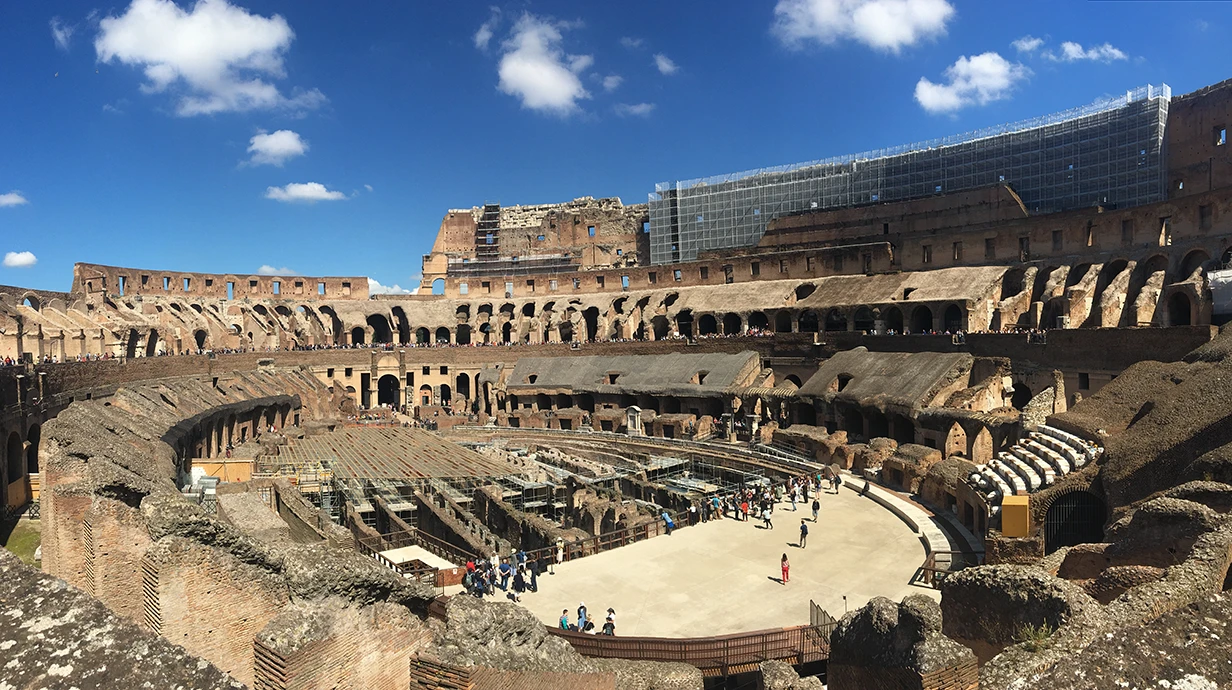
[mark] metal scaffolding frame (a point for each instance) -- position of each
(1109, 152)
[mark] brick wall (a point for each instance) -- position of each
(483, 678)
(210, 603)
(118, 539)
(963, 676)
(430, 673)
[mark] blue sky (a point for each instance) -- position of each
(330, 138)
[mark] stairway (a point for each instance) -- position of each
(1035, 462)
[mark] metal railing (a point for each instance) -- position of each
(933, 570)
(414, 537)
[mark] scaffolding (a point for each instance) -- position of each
(1109, 152)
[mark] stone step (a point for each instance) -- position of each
(1011, 478)
(1041, 465)
(1059, 462)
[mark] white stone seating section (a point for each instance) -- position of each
(1040, 464)
(1029, 476)
(1009, 475)
(1087, 449)
(1059, 463)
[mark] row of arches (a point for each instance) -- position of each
(20, 460)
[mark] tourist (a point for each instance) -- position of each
(765, 516)
(838, 482)
(744, 510)
(533, 568)
(786, 567)
(803, 533)
(581, 616)
(564, 620)
(505, 571)
(609, 627)
(668, 523)
(519, 584)
(816, 507)
(692, 513)
(560, 554)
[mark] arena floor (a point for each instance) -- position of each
(722, 576)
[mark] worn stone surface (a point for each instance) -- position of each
(56, 637)
(779, 675)
(908, 635)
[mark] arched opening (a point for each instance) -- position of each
(438, 286)
(758, 321)
(151, 347)
(381, 332)
(463, 385)
(566, 331)
(1012, 283)
(1192, 262)
(864, 321)
(956, 441)
(403, 324)
(130, 348)
(1076, 274)
(543, 401)
(425, 395)
(528, 309)
(1179, 310)
(357, 335)
(835, 321)
(422, 335)
(446, 395)
(200, 337)
(506, 332)
(13, 458)
(878, 425)
(921, 319)
(32, 448)
(894, 320)
(31, 301)
(442, 336)
(732, 324)
(660, 327)
(464, 334)
(782, 321)
(684, 323)
(809, 322)
(1021, 396)
(953, 318)
(591, 317)
(707, 325)
(804, 290)
(1072, 519)
(388, 390)
(794, 380)
(981, 447)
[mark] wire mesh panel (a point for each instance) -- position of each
(1109, 152)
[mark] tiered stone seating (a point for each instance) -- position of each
(1037, 461)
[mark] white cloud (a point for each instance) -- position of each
(19, 259)
(1073, 52)
(665, 64)
(375, 288)
(368, 187)
(1027, 44)
(13, 198)
(536, 70)
(217, 54)
(881, 24)
(975, 80)
(631, 43)
(486, 30)
(636, 109)
(267, 270)
(303, 192)
(62, 33)
(275, 148)
(612, 82)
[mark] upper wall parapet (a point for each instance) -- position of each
(92, 279)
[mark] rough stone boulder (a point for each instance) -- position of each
(989, 608)
(873, 454)
(779, 675)
(883, 637)
(56, 637)
(1160, 532)
(1119, 579)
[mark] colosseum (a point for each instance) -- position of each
(994, 364)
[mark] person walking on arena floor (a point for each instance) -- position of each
(765, 516)
(816, 507)
(786, 567)
(803, 533)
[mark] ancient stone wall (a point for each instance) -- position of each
(97, 281)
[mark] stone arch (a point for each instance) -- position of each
(31, 300)
(151, 348)
(446, 395)
(707, 325)
(865, 320)
(381, 332)
(442, 335)
(566, 331)
(953, 318)
(1180, 309)
(403, 324)
(782, 321)
(422, 335)
(732, 323)
(1074, 517)
(462, 384)
(921, 319)
(804, 290)
(1076, 274)
(981, 450)
(388, 391)
(130, 347)
(506, 332)
(13, 458)
(438, 286)
(835, 321)
(759, 321)
(660, 327)
(464, 334)
(33, 436)
(1012, 283)
(425, 395)
(894, 320)
(200, 337)
(357, 335)
(591, 318)
(956, 441)
(809, 321)
(1021, 396)
(1193, 261)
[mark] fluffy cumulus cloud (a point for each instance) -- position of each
(1027, 44)
(62, 33)
(303, 193)
(975, 80)
(1074, 52)
(267, 270)
(612, 82)
(634, 109)
(632, 43)
(275, 148)
(536, 70)
(19, 259)
(216, 56)
(13, 198)
(665, 65)
(881, 24)
(375, 288)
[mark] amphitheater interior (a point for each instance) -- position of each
(276, 482)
